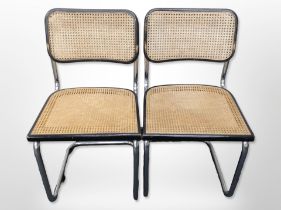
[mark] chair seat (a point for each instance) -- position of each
(193, 112)
(86, 113)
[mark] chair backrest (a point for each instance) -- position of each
(92, 35)
(190, 34)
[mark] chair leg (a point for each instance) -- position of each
(146, 169)
(229, 192)
(136, 170)
(52, 196)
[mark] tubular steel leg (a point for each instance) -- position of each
(52, 196)
(136, 170)
(146, 169)
(37, 152)
(229, 192)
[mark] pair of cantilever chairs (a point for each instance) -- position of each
(109, 116)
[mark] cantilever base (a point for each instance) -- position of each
(227, 192)
(52, 196)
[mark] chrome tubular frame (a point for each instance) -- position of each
(146, 74)
(245, 145)
(228, 192)
(223, 74)
(136, 169)
(146, 168)
(56, 74)
(52, 196)
(146, 142)
(136, 77)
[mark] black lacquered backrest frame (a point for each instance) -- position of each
(105, 27)
(212, 16)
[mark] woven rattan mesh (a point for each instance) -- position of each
(193, 109)
(85, 35)
(88, 111)
(200, 35)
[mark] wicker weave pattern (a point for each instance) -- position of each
(88, 111)
(193, 109)
(200, 35)
(74, 35)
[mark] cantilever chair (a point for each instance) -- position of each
(200, 113)
(89, 116)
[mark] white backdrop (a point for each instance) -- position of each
(182, 174)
